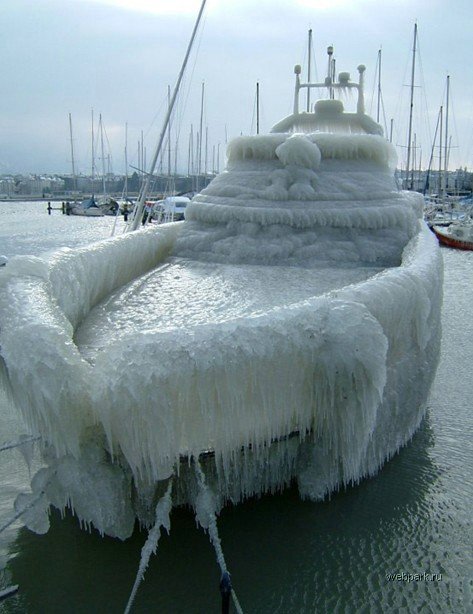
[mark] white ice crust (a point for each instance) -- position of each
(301, 296)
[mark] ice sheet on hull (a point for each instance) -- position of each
(182, 294)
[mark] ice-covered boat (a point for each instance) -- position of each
(287, 330)
(91, 207)
(87, 207)
(458, 234)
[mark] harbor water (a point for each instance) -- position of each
(401, 541)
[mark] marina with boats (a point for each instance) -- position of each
(246, 344)
(346, 235)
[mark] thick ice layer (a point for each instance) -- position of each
(303, 199)
(336, 366)
(262, 317)
(42, 300)
(304, 181)
(182, 294)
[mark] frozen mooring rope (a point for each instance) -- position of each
(163, 509)
(21, 512)
(9, 591)
(9, 445)
(32, 501)
(25, 444)
(205, 506)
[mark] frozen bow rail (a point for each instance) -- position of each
(301, 295)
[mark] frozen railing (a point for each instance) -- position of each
(331, 84)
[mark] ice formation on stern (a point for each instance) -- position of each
(288, 329)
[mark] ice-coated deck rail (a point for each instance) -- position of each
(343, 83)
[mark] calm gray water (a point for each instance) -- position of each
(285, 555)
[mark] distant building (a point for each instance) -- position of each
(7, 187)
(39, 185)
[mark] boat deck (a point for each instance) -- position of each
(183, 293)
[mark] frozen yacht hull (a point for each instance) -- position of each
(290, 326)
(349, 371)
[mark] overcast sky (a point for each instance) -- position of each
(118, 57)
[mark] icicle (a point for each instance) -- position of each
(205, 514)
(163, 509)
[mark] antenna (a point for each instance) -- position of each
(308, 69)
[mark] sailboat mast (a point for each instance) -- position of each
(169, 138)
(379, 86)
(199, 169)
(92, 150)
(427, 180)
(445, 158)
(142, 154)
(206, 159)
(190, 164)
(409, 137)
(138, 211)
(103, 156)
(309, 67)
(257, 107)
(441, 188)
(126, 161)
(74, 178)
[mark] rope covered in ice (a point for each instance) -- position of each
(9, 445)
(21, 512)
(210, 523)
(163, 509)
(11, 590)
(30, 505)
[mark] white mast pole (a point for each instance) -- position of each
(308, 69)
(126, 160)
(103, 158)
(257, 107)
(142, 149)
(169, 141)
(93, 153)
(74, 179)
(409, 137)
(206, 159)
(138, 211)
(379, 86)
(199, 152)
(445, 156)
(191, 150)
(440, 186)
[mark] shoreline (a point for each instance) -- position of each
(53, 199)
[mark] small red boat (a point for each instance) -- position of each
(459, 236)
